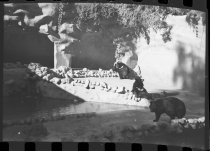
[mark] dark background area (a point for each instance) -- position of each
(27, 46)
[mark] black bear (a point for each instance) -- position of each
(122, 69)
(172, 106)
(138, 88)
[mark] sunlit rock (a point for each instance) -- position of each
(201, 119)
(92, 86)
(120, 90)
(87, 84)
(84, 69)
(55, 80)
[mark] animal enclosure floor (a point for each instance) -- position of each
(114, 126)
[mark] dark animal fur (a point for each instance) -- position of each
(172, 106)
(138, 87)
(122, 69)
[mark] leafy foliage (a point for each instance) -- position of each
(193, 17)
(121, 23)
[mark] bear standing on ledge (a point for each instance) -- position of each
(124, 71)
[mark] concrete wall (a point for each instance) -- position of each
(179, 64)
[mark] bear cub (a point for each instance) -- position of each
(171, 106)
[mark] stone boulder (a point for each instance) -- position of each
(87, 84)
(56, 80)
(121, 90)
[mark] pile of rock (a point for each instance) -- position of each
(107, 73)
(103, 86)
(184, 123)
(94, 73)
(99, 85)
(57, 76)
(175, 127)
(65, 75)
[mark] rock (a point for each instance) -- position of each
(93, 83)
(193, 126)
(39, 73)
(84, 69)
(70, 74)
(201, 125)
(134, 98)
(62, 75)
(56, 80)
(110, 71)
(66, 75)
(69, 80)
(121, 90)
(63, 69)
(43, 69)
(192, 121)
(73, 83)
(103, 84)
(109, 87)
(87, 84)
(90, 73)
(76, 75)
(97, 84)
(63, 81)
(174, 121)
(138, 99)
(114, 89)
(33, 66)
(92, 86)
(187, 125)
(49, 76)
(83, 82)
(105, 89)
(45, 78)
(201, 119)
(182, 121)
